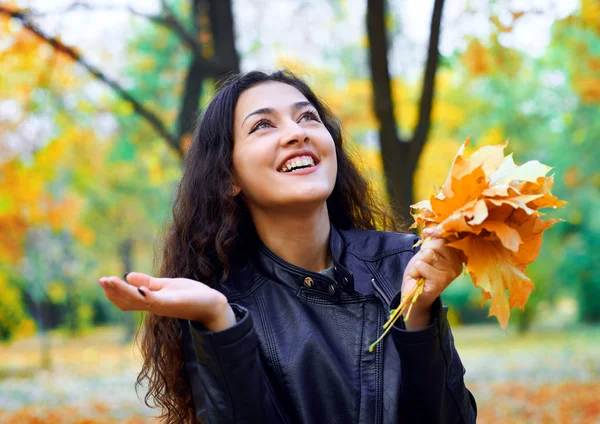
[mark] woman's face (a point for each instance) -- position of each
(282, 153)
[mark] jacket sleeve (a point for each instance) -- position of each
(226, 375)
(433, 389)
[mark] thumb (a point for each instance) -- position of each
(139, 279)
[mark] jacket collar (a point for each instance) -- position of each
(278, 269)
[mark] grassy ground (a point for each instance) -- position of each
(547, 376)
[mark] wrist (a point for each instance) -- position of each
(418, 319)
(222, 317)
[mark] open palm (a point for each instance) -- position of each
(172, 297)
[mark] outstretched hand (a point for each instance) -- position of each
(171, 297)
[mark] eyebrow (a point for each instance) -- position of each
(270, 110)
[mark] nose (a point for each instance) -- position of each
(294, 133)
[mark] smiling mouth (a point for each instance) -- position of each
(299, 162)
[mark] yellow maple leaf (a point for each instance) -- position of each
(490, 205)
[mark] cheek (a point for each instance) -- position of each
(333, 156)
(248, 163)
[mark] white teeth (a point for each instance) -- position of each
(297, 162)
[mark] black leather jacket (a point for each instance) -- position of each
(299, 351)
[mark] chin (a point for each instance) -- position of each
(310, 198)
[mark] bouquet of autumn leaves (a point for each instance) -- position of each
(489, 207)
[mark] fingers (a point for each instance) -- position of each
(440, 245)
(127, 297)
(433, 232)
(422, 269)
(437, 232)
(139, 279)
(438, 254)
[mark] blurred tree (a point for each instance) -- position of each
(573, 146)
(400, 156)
(123, 207)
(34, 189)
(548, 108)
(205, 28)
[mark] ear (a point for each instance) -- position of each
(235, 188)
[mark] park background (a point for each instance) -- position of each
(97, 102)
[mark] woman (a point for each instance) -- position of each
(275, 282)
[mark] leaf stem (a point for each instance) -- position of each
(409, 300)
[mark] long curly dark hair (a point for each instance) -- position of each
(212, 232)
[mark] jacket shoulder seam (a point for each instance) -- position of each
(381, 255)
(258, 281)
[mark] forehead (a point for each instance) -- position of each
(272, 94)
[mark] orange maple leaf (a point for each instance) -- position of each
(490, 205)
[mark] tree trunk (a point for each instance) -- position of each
(225, 61)
(525, 319)
(45, 343)
(220, 13)
(197, 72)
(399, 156)
(399, 168)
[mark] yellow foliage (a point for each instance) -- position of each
(85, 106)
(434, 162)
(85, 313)
(494, 135)
(405, 105)
(13, 318)
(20, 188)
(369, 163)
(448, 114)
(590, 12)
(57, 292)
(588, 89)
(25, 56)
(123, 108)
(84, 235)
(25, 201)
(155, 171)
(477, 58)
(26, 328)
(349, 104)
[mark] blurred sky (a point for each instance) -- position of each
(313, 30)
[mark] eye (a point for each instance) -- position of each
(312, 115)
(263, 123)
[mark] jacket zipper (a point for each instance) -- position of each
(381, 293)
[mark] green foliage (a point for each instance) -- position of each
(547, 115)
(14, 319)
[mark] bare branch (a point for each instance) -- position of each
(166, 19)
(58, 45)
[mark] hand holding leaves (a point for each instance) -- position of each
(438, 265)
(488, 210)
